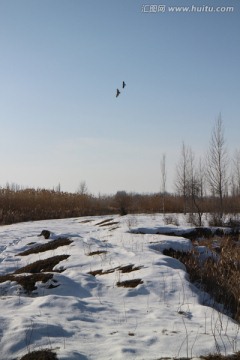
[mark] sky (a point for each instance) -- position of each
(61, 62)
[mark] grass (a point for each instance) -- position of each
(51, 245)
(45, 265)
(104, 221)
(209, 357)
(50, 355)
(129, 268)
(222, 357)
(219, 275)
(27, 281)
(129, 283)
(110, 223)
(37, 271)
(98, 252)
(123, 269)
(101, 272)
(40, 355)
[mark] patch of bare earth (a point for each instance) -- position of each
(37, 271)
(130, 283)
(123, 269)
(98, 252)
(40, 355)
(51, 245)
(45, 265)
(104, 221)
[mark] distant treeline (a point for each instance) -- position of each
(202, 185)
(18, 205)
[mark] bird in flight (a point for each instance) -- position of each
(123, 86)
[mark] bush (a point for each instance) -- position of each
(219, 275)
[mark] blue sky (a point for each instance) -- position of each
(60, 64)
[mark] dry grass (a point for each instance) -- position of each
(36, 269)
(101, 272)
(85, 221)
(40, 355)
(218, 276)
(40, 266)
(222, 357)
(129, 268)
(51, 245)
(110, 223)
(104, 221)
(129, 283)
(27, 281)
(98, 252)
(123, 269)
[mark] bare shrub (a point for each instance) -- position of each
(218, 275)
(171, 220)
(221, 357)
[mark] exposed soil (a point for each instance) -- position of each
(98, 252)
(110, 223)
(104, 221)
(37, 271)
(51, 245)
(129, 283)
(40, 355)
(123, 269)
(45, 265)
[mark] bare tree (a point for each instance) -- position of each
(217, 164)
(82, 188)
(58, 188)
(163, 180)
(183, 175)
(236, 173)
(197, 190)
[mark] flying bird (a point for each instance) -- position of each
(118, 93)
(123, 85)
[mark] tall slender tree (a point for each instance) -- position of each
(217, 164)
(236, 173)
(163, 180)
(183, 175)
(197, 189)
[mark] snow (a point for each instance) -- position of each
(90, 317)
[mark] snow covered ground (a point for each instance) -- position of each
(91, 317)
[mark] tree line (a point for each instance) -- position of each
(215, 177)
(209, 185)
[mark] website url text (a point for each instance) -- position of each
(186, 9)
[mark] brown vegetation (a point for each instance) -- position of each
(37, 271)
(98, 252)
(27, 281)
(54, 244)
(45, 265)
(219, 274)
(222, 357)
(40, 355)
(18, 205)
(123, 269)
(129, 283)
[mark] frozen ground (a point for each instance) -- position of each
(90, 317)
